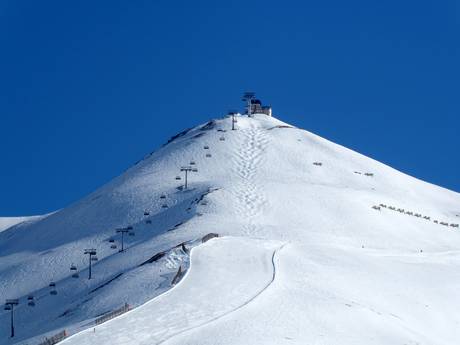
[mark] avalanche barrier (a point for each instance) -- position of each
(112, 314)
(55, 338)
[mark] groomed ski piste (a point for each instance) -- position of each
(316, 244)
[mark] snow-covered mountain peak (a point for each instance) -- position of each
(317, 239)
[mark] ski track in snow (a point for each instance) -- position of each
(273, 259)
(251, 268)
(251, 199)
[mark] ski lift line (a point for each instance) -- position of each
(36, 299)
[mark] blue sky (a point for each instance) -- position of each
(89, 87)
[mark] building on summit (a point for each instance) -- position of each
(254, 106)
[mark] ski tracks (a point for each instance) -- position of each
(251, 200)
(274, 260)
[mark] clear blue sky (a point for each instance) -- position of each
(89, 87)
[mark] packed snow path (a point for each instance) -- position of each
(247, 161)
(225, 274)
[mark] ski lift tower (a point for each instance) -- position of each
(9, 305)
(248, 97)
(187, 169)
(123, 231)
(233, 113)
(91, 252)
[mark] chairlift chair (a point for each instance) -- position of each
(75, 275)
(192, 163)
(94, 258)
(164, 206)
(195, 170)
(53, 288)
(30, 301)
(222, 138)
(208, 155)
(178, 178)
(7, 307)
(111, 240)
(131, 234)
(206, 147)
(73, 267)
(148, 221)
(163, 196)
(146, 213)
(113, 246)
(129, 228)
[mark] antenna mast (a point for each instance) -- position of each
(248, 97)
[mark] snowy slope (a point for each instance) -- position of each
(8, 222)
(343, 273)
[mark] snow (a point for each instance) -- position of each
(227, 274)
(302, 256)
(8, 222)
